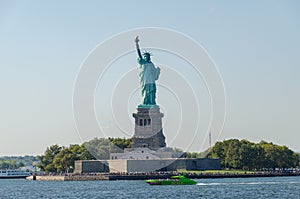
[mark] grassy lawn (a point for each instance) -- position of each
(218, 172)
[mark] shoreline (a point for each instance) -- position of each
(145, 176)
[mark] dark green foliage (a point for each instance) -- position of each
(58, 158)
(101, 148)
(64, 160)
(46, 160)
(242, 154)
(121, 143)
(98, 147)
(61, 159)
(234, 154)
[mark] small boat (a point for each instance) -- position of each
(9, 174)
(174, 180)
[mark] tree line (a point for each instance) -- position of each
(15, 162)
(243, 154)
(233, 154)
(61, 159)
(10, 164)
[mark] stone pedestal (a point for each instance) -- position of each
(148, 131)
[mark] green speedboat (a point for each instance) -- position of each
(174, 180)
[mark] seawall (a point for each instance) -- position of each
(69, 178)
(138, 176)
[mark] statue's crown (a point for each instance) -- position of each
(147, 53)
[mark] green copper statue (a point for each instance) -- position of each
(148, 75)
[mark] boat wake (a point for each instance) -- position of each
(211, 184)
(243, 183)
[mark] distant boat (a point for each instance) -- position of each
(9, 174)
(174, 180)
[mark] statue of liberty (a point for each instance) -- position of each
(148, 75)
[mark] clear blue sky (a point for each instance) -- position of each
(255, 45)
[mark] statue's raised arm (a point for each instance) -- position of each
(138, 47)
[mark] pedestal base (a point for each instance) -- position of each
(148, 132)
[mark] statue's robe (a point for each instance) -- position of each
(148, 75)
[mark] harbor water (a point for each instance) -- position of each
(269, 187)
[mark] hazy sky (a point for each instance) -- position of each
(255, 45)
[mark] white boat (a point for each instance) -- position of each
(14, 174)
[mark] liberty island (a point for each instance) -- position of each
(148, 156)
(148, 152)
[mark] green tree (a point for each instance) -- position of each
(218, 151)
(46, 160)
(121, 143)
(99, 148)
(246, 155)
(64, 160)
(102, 147)
(4, 165)
(259, 157)
(20, 164)
(232, 155)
